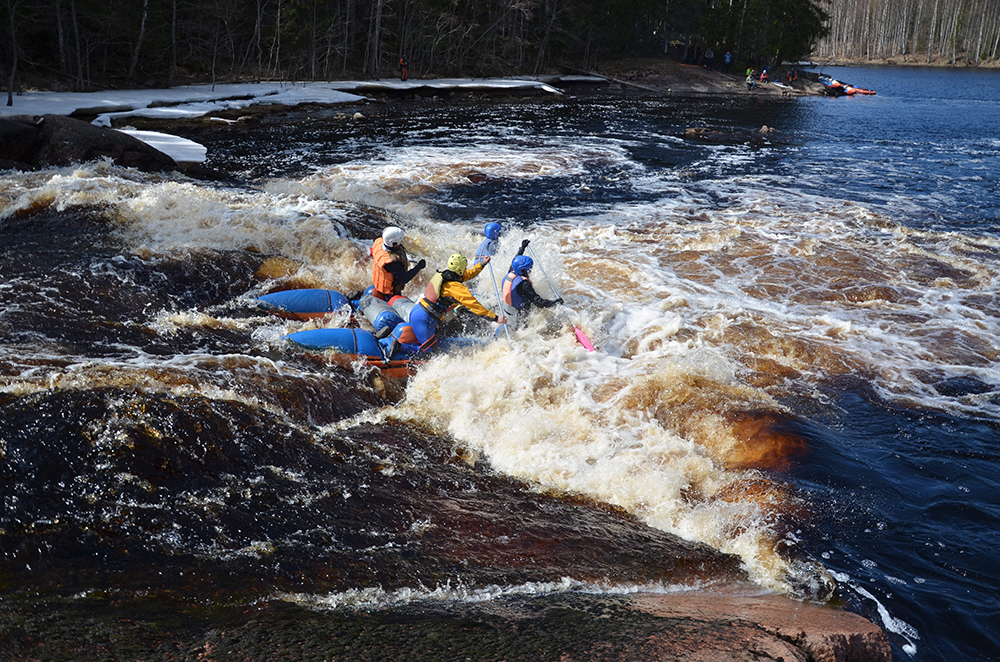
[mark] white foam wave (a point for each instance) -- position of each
(375, 598)
(700, 311)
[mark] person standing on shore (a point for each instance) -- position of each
(403, 68)
(727, 60)
(709, 56)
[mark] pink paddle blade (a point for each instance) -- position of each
(584, 340)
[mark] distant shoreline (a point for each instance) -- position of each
(936, 63)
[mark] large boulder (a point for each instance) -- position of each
(65, 141)
(19, 139)
(55, 140)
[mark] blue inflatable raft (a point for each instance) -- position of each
(303, 305)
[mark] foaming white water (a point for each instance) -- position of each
(820, 290)
(889, 622)
(701, 312)
(172, 215)
(378, 598)
(586, 423)
(401, 179)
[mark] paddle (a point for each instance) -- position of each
(580, 335)
(499, 303)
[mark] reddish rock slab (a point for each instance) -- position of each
(723, 627)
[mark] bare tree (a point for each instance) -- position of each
(134, 63)
(77, 50)
(12, 7)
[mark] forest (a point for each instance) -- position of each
(89, 44)
(949, 32)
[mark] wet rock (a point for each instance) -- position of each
(53, 140)
(28, 142)
(707, 627)
(65, 141)
(768, 627)
(19, 138)
(764, 135)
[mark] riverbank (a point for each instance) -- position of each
(915, 60)
(677, 79)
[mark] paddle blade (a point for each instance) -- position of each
(584, 340)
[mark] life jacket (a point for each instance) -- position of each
(509, 293)
(382, 280)
(433, 302)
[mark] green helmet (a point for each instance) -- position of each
(457, 263)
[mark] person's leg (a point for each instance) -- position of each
(424, 327)
(401, 343)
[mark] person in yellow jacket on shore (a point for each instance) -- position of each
(445, 291)
(391, 270)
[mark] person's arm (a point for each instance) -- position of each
(474, 270)
(399, 273)
(524, 244)
(463, 296)
(528, 294)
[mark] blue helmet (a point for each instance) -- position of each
(492, 230)
(521, 265)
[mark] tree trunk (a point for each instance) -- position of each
(76, 43)
(258, 38)
(979, 39)
(173, 44)
(916, 26)
(12, 10)
(274, 57)
(553, 14)
(348, 31)
(930, 34)
(60, 37)
(133, 65)
(373, 54)
(996, 40)
(953, 33)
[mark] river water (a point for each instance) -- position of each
(797, 359)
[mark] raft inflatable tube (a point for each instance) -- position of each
(402, 306)
(352, 345)
(303, 305)
(347, 341)
(379, 313)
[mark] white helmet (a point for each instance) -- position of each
(392, 236)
